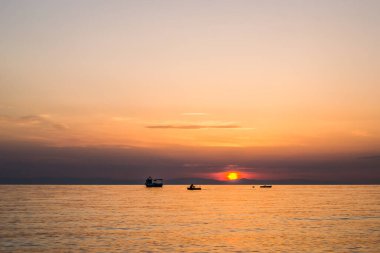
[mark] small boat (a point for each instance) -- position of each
(193, 188)
(265, 186)
(253, 186)
(150, 182)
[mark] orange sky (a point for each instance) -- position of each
(299, 75)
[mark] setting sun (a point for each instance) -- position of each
(232, 176)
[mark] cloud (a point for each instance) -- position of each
(360, 133)
(30, 120)
(121, 118)
(36, 160)
(193, 126)
(4, 106)
(191, 165)
(372, 157)
(194, 113)
(237, 167)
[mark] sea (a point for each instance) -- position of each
(223, 218)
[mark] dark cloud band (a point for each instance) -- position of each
(191, 126)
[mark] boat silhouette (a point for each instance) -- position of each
(157, 182)
(194, 188)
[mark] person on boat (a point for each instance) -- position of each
(149, 180)
(192, 186)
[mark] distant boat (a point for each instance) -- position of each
(253, 186)
(265, 186)
(193, 188)
(150, 182)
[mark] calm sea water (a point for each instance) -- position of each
(172, 219)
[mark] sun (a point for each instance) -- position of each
(232, 175)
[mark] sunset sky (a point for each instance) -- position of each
(174, 89)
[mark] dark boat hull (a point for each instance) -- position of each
(194, 189)
(153, 185)
(265, 186)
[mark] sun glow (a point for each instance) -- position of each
(232, 175)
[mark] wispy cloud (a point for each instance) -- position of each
(4, 106)
(30, 120)
(192, 126)
(360, 133)
(121, 119)
(372, 157)
(230, 167)
(194, 114)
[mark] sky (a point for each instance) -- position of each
(122, 89)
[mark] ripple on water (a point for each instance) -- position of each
(221, 219)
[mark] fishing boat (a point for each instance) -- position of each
(265, 186)
(150, 182)
(194, 188)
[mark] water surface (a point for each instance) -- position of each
(172, 219)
